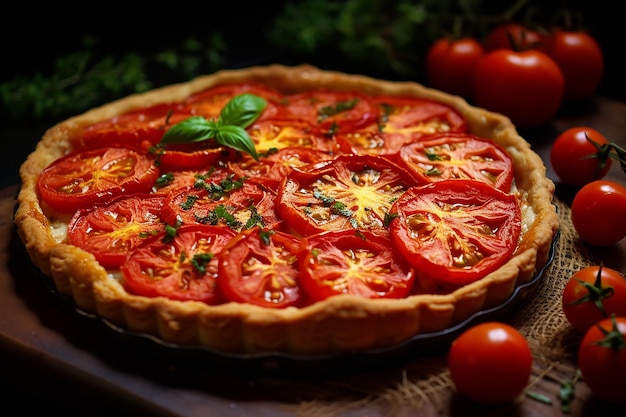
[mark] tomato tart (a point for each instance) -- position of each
(286, 209)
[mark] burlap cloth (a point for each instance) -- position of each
(423, 383)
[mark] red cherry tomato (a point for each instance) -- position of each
(450, 64)
(490, 363)
(598, 213)
(581, 60)
(575, 159)
(514, 35)
(593, 294)
(526, 86)
(602, 360)
(83, 179)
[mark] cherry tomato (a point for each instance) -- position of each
(593, 294)
(83, 179)
(458, 155)
(353, 262)
(113, 230)
(576, 159)
(581, 60)
(602, 359)
(515, 36)
(598, 212)
(527, 86)
(450, 64)
(454, 232)
(490, 363)
(182, 268)
(349, 192)
(403, 120)
(260, 267)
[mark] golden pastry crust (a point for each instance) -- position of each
(340, 323)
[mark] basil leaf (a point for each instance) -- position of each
(242, 110)
(193, 129)
(237, 138)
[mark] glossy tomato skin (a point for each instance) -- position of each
(353, 262)
(581, 60)
(260, 267)
(570, 156)
(527, 86)
(93, 176)
(490, 363)
(583, 292)
(598, 212)
(603, 366)
(515, 36)
(455, 232)
(111, 231)
(450, 64)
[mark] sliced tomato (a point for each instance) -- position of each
(274, 134)
(458, 155)
(221, 199)
(260, 267)
(272, 168)
(455, 232)
(182, 268)
(186, 156)
(110, 232)
(332, 111)
(210, 102)
(353, 262)
(349, 192)
(403, 120)
(83, 179)
(135, 127)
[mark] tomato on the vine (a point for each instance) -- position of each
(602, 359)
(514, 35)
(490, 363)
(579, 155)
(450, 64)
(598, 212)
(581, 60)
(592, 294)
(527, 86)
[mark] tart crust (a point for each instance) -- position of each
(338, 324)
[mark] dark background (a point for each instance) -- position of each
(36, 36)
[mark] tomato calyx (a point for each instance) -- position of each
(596, 292)
(614, 339)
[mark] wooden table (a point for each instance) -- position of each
(69, 363)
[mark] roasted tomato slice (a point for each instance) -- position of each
(274, 134)
(353, 262)
(348, 192)
(458, 155)
(180, 268)
(210, 102)
(454, 232)
(83, 179)
(403, 120)
(272, 168)
(110, 232)
(135, 128)
(261, 267)
(221, 199)
(332, 111)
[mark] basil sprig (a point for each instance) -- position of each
(228, 130)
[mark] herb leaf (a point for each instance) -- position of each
(193, 129)
(237, 138)
(242, 110)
